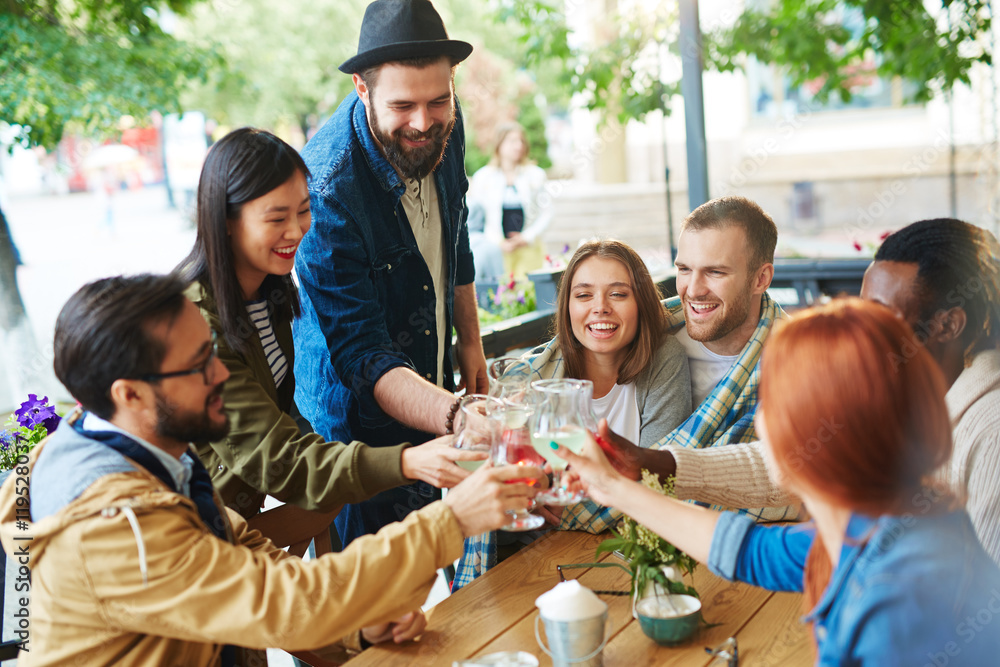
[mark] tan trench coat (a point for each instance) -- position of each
(167, 592)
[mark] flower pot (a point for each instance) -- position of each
(546, 286)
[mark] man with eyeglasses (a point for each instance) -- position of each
(133, 557)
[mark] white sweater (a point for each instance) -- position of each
(736, 475)
(487, 188)
(974, 407)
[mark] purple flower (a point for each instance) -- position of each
(7, 439)
(35, 411)
(565, 249)
(520, 298)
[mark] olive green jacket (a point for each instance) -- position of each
(266, 453)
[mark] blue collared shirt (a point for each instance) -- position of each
(908, 590)
(179, 469)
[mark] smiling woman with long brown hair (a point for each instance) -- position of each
(853, 420)
(610, 329)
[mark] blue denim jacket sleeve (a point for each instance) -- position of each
(465, 269)
(334, 275)
(772, 557)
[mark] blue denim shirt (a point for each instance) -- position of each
(367, 296)
(907, 590)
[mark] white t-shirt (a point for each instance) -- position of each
(620, 408)
(420, 203)
(707, 367)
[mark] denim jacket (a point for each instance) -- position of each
(367, 297)
(908, 590)
(368, 302)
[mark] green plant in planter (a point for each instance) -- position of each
(646, 553)
(25, 428)
(509, 300)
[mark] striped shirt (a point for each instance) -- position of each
(275, 356)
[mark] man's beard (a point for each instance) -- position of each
(736, 314)
(415, 162)
(195, 427)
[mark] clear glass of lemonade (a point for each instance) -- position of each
(478, 426)
(562, 415)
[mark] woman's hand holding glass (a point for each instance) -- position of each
(591, 472)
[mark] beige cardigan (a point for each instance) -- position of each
(736, 475)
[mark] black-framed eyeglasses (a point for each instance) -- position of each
(204, 367)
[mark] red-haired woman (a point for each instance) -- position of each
(853, 418)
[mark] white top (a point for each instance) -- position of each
(974, 407)
(420, 203)
(707, 367)
(179, 469)
(257, 310)
(511, 199)
(488, 187)
(620, 407)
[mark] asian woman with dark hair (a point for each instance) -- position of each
(253, 210)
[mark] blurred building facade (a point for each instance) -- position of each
(839, 173)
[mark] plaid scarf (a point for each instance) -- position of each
(725, 417)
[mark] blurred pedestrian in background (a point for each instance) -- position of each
(511, 190)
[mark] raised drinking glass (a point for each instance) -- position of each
(563, 416)
(515, 448)
(478, 426)
(511, 384)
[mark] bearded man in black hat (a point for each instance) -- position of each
(387, 271)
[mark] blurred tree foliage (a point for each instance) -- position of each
(829, 40)
(619, 71)
(281, 64)
(281, 59)
(622, 70)
(86, 63)
(79, 65)
(530, 117)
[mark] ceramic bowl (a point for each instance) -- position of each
(669, 622)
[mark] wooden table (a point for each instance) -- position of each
(497, 613)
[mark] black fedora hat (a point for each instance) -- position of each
(398, 29)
